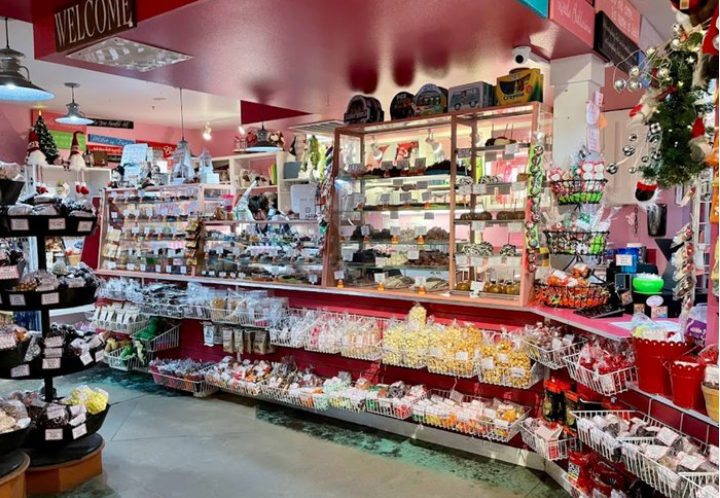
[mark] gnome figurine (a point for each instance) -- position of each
(35, 161)
(77, 164)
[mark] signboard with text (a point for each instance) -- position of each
(624, 15)
(612, 43)
(576, 17)
(86, 21)
(121, 124)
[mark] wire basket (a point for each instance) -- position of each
(397, 408)
(551, 358)
(255, 318)
(415, 359)
(445, 417)
(459, 365)
(515, 377)
(608, 384)
(163, 309)
(118, 327)
(367, 353)
(576, 243)
(602, 442)
(235, 386)
(562, 296)
(549, 450)
(114, 361)
(167, 340)
(344, 400)
(199, 388)
(578, 191)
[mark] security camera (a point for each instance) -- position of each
(521, 54)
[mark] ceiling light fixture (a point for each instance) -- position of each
(207, 132)
(74, 115)
(263, 144)
(13, 85)
(127, 54)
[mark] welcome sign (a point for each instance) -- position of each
(86, 21)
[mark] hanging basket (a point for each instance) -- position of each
(652, 358)
(577, 191)
(562, 296)
(575, 243)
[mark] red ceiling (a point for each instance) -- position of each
(314, 54)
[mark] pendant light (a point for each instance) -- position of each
(13, 85)
(74, 115)
(263, 143)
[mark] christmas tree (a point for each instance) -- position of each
(47, 142)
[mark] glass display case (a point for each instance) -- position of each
(146, 229)
(437, 204)
(285, 251)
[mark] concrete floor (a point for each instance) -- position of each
(161, 444)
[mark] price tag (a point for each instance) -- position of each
(168, 269)
(394, 215)
(159, 230)
(55, 411)
(86, 358)
(111, 265)
(421, 229)
(405, 197)
(403, 164)
(222, 274)
(379, 277)
(19, 225)
(147, 230)
(17, 300)
(313, 278)
(55, 341)
(420, 280)
(429, 215)
(384, 199)
(422, 185)
(113, 195)
(20, 371)
(99, 356)
(487, 363)
(136, 213)
(50, 298)
(347, 253)
(477, 286)
(130, 267)
(456, 396)
(177, 262)
(53, 352)
(397, 182)
(511, 150)
(365, 230)
(56, 224)
(158, 269)
(426, 196)
(465, 190)
(515, 227)
(381, 262)
(149, 212)
(53, 434)
(395, 231)
(435, 352)
(339, 275)
(183, 270)
(51, 363)
(135, 230)
(79, 431)
(477, 261)
(126, 213)
(113, 215)
(462, 260)
(479, 188)
(479, 225)
(461, 356)
(624, 259)
(413, 255)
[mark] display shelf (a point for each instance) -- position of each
(41, 368)
(42, 440)
(491, 148)
(668, 402)
(198, 388)
(68, 297)
(608, 384)
(47, 226)
(12, 441)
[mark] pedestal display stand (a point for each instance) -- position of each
(12, 475)
(62, 456)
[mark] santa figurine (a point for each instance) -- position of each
(77, 164)
(35, 161)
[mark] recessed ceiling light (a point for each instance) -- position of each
(127, 54)
(159, 99)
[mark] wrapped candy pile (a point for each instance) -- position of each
(362, 338)
(244, 376)
(549, 345)
(61, 277)
(345, 396)
(489, 418)
(185, 374)
(591, 476)
(13, 416)
(548, 439)
(395, 400)
(577, 233)
(405, 344)
(453, 349)
(582, 183)
(504, 360)
(11, 336)
(575, 290)
(49, 205)
(603, 366)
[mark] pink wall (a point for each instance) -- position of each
(14, 126)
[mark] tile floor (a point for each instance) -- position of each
(162, 444)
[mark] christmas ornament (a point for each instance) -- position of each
(634, 72)
(620, 85)
(628, 150)
(35, 157)
(646, 193)
(633, 137)
(46, 141)
(634, 86)
(612, 168)
(650, 52)
(76, 162)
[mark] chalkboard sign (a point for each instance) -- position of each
(113, 123)
(612, 43)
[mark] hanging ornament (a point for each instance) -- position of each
(650, 52)
(632, 170)
(633, 137)
(645, 159)
(628, 150)
(655, 128)
(634, 86)
(612, 168)
(620, 85)
(663, 73)
(645, 193)
(634, 72)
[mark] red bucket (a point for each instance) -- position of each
(651, 358)
(686, 376)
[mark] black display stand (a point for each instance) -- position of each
(73, 450)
